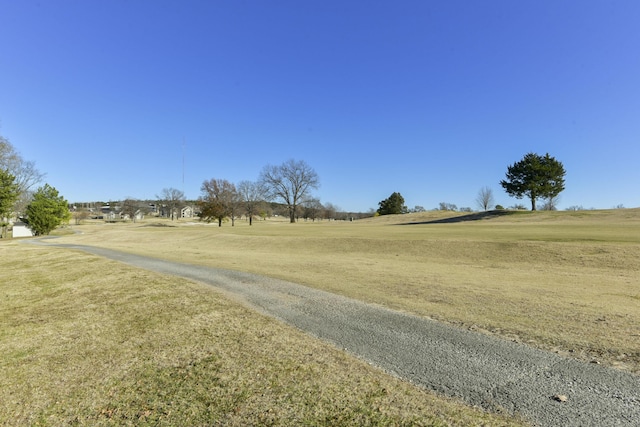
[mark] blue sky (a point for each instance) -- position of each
(432, 99)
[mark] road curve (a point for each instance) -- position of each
(481, 370)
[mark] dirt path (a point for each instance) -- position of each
(481, 370)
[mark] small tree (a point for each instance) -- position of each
(444, 206)
(24, 172)
(171, 198)
(290, 182)
(80, 215)
(47, 210)
(312, 208)
(9, 192)
(485, 198)
(330, 210)
(394, 204)
(551, 204)
(218, 200)
(252, 194)
(131, 207)
(536, 177)
(575, 208)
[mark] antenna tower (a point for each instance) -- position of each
(183, 164)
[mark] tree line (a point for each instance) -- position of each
(43, 209)
(535, 177)
(290, 183)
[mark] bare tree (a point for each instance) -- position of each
(312, 208)
(8, 196)
(330, 210)
(218, 201)
(79, 215)
(131, 207)
(252, 194)
(444, 206)
(551, 203)
(172, 199)
(485, 198)
(291, 182)
(25, 173)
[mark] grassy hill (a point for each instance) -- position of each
(91, 341)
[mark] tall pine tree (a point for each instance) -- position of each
(392, 205)
(535, 176)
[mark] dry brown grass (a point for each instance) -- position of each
(562, 281)
(88, 341)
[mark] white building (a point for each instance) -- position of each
(20, 229)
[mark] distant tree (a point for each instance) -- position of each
(312, 208)
(536, 177)
(25, 173)
(131, 207)
(47, 210)
(79, 215)
(218, 200)
(418, 208)
(392, 205)
(485, 198)
(447, 206)
(9, 192)
(290, 182)
(234, 202)
(252, 194)
(172, 199)
(575, 208)
(465, 209)
(551, 204)
(330, 211)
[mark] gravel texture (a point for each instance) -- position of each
(495, 374)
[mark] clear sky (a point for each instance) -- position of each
(432, 99)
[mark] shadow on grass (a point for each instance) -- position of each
(476, 216)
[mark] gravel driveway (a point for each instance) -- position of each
(481, 370)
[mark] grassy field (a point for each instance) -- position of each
(88, 341)
(563, 281)
(92, 341)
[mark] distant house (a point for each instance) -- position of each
(20, 229)
(186, 212)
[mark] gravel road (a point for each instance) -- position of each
(481, 370)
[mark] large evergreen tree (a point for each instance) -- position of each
(392, 205)
(47, 210)
(535, 176)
